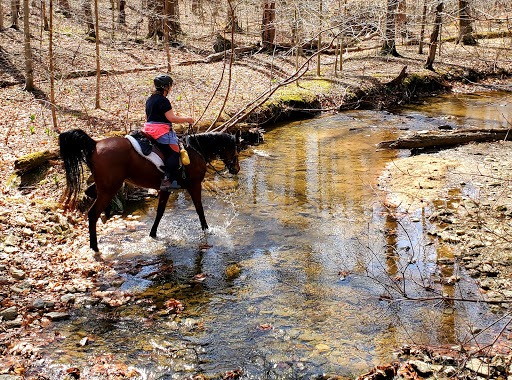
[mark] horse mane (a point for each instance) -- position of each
(210, 144)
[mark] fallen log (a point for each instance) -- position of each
(34, 160)
(220, 56)
(90, 73)
(444, 139)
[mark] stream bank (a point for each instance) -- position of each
(466, 192)
(46, 267)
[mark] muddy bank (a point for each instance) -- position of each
(466, 194)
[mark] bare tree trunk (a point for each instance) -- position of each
(98, 68)
(1, 15)
(166, 35)
(465, 25)
(341, 53)
(197, 7)
(64, 7)
(15, 12)
(44, 16)
(232, 22)
(155, 27)
(401, 19)
(434, 36)
(89, 21)
(122, 12)
(29, 72)
(156, 22)
(268, 27)
(174, 20)
(389, 45)
(113, 9)
(52, 73)
(423, 21)
(319, 42)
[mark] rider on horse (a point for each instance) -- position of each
(158, 125)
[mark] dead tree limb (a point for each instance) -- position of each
(444, 139)
(220, 56)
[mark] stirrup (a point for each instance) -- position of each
(168, 185)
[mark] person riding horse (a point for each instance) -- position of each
(158, 125)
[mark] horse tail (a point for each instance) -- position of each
(76, 148)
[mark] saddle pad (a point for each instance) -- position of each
(153, 157)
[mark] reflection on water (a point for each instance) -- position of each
(314, 245)
(493, 110)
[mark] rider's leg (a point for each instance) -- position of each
(171, 170)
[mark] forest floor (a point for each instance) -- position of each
(46, 267)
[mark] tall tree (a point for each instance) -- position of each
(197, 7)
(232, 21)
(157, 16)
(29, 72)
(268, 27)
(64, 7)
(319, 41)
(1, 15)
(122, 12)
(423, 21)
(97, 40)
(166, 35)
(389, 44)
(173, 14)
(465, 25)
(52, 73)
(89, 21)
(15, 13)
(434, 36)
(44, 16)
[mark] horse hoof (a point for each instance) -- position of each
(97, 257)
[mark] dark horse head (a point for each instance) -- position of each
(217, 145)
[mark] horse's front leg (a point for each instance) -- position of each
(162, 202)
(195, 193)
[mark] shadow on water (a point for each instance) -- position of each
(290, 280)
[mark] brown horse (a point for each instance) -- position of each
(113, 161)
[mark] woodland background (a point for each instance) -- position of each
(90, 64)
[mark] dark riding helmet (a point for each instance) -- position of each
(162, 82)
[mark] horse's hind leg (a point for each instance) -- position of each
(162, 202)
(102, 201)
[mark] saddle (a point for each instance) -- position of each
(147, 149)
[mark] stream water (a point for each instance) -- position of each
(299, 247)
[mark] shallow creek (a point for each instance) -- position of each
(299, 246)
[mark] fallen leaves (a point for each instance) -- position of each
(265, 327)
(173, 306)
(110, 369)
(113, 298)
(407, 372)
(232, 375)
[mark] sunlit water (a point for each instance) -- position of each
(306, 226)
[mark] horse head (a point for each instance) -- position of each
(230, 155)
